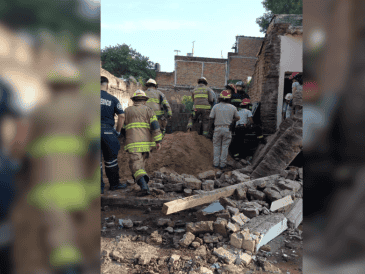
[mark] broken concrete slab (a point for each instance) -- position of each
(204, 198)
(281, 204)
(224, 255)
(200, 227)
(295, 215)
(269, 227)
(208, 175)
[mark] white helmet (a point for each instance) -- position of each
(151, 81)
(289, 96)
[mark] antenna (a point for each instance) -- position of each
(177, 51)
(193, 47)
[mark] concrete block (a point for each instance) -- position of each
(236, 240)
(220, 226)
(208, 185)
(200, 227)
(225, 255)
(233, 227)
(241, 193)
(295, 215)
(281, 204)
(208, 175)
(272, 194)
(243, 258)
(193, 183)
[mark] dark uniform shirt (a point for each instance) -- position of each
(110, 106)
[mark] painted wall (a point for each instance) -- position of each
(291, 60)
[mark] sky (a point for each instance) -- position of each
(157, 28)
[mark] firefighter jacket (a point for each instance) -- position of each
(202, 97)
(142, 128)
(157, 101)
(237, 98)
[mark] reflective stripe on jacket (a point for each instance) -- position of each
(202, 97)
(142, 128)
(158, 102)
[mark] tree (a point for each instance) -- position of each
(278, 7)
(123, 61)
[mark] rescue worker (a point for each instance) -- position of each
(287, 106)
(142, 134)
(203, 100)
(239, 96)
(110, 106)
(245, 126)
(297, 91)
(222, 115)
(158, 102)
(59, 143)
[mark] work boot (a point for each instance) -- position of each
(118, 186)
(144, 186)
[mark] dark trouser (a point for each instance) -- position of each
(238, 145)
(162, 121)
(110, 147)
(204, 114)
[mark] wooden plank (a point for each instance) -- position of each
(208, 197)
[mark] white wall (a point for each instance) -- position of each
(291, 60)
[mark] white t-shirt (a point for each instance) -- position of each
(244, 115)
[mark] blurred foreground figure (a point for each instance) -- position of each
(334, 147)
(52, 220)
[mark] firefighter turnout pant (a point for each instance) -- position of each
(110, 147)
(204, 115)
(162, 121)
(221, 140)
(137, 164)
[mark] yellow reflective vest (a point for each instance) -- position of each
(158, 102)
(202, 97)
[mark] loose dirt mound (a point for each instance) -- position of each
(181, 152)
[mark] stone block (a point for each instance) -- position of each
(295, 215)
(195, 244)
(241, 193)
(225, 255)
(187, 239)
(208, 185)
(233, 210)
(261, 183)
(201, 251)
(250, 212)
(220, 226)
(228, 202)
(154, 239)
(281, 204)
(163, 221)
(210, 239)
(240, 219)
(236, 240)
(224, 215)
(239, 177)
(200, 227)
(188, 192)
(243, 258)
(156, 185)
(272, 194)
(193, 183)
(256, 194)
(127, 223)
(208, 175)
(173, 187)
(233, 227)
(174, 259)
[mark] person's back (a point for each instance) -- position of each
(224, 114)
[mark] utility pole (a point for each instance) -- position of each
(177, 51)
(193, 47)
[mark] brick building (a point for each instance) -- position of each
(241, 63)
(281, 53)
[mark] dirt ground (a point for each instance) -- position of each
(132, 245)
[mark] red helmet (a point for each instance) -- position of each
(293, 75)
(232, 87)
(225, 94)
(245, 102)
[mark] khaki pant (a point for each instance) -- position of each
(137, 164)
(204, 115)
(221, 140)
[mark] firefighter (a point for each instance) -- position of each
(59, 190)
(203, 100)
(158, 102)
(239, 96)
(244, 126)
(142, 134)
(110, 146)
(222, 115)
